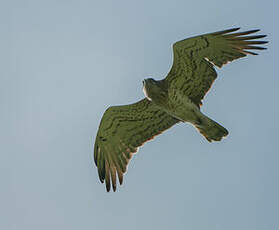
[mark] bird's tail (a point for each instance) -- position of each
(210, 129)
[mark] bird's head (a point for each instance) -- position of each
(149, 82)
(153, 90)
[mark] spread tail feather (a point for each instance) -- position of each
(210, 129)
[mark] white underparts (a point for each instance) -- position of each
(209, 61)
(214, 64)
(145, 93)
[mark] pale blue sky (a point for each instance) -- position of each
(65, 62)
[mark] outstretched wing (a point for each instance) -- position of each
(193, 72)
(122, 130)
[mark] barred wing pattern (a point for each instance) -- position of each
(122, 130)
(194, 58)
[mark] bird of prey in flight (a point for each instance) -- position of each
(176, 98)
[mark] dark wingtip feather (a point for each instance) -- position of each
(107, 176)
(120, 177)
(242, 33)
(226, 31)
(108, 185)
(253, 47)
(101, 176)
(252, 31)
(248, 37)
(113, 178)
(255, 42)
(101, 169)
(114, 187)
(95, 153)
(249, 52)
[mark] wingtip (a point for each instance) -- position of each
(120, 178)
(108, 187)
(236, 28)
(258, 42)
(249, 52)
(254, 31)
(96, 160)
(226, 31)
(233, 29)
(101, 179)
(95, 153)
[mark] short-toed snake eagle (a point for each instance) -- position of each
(177, 98)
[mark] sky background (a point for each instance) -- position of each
(64, 62)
